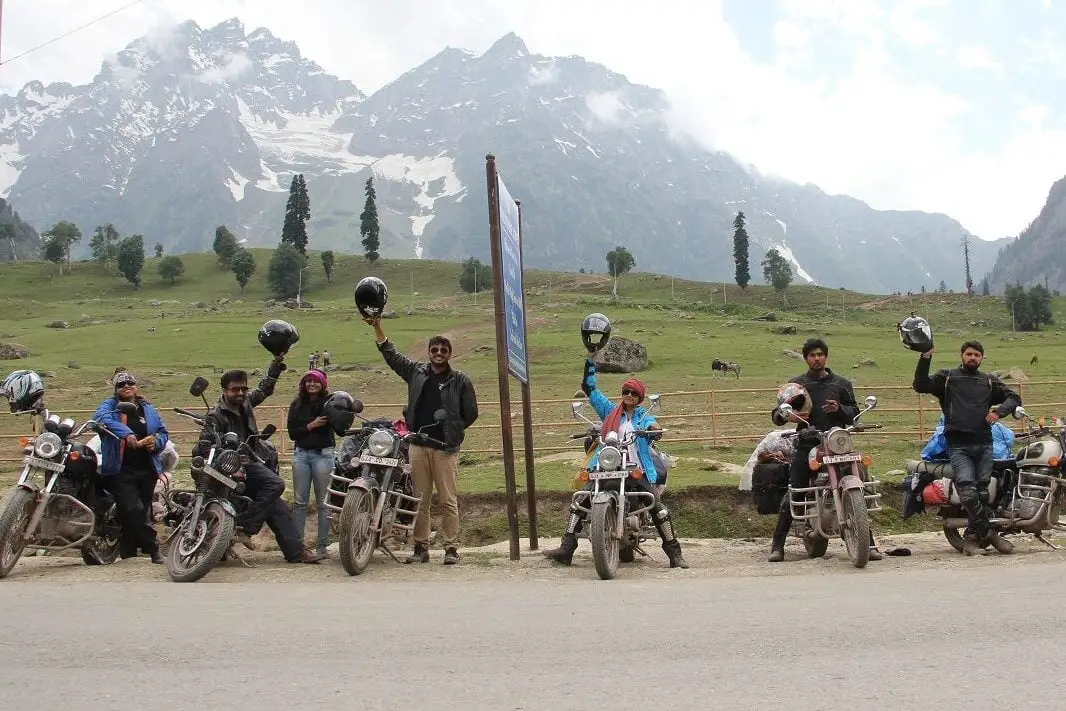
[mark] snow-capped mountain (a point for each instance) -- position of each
(191, 128)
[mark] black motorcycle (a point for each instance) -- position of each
(205, 518)
(58, 503)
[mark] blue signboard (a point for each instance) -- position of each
(513, 300)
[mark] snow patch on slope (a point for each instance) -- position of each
(786, 252)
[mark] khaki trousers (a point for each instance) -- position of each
(436, 468)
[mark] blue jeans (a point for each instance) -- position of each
(972, 464)
(309, 467)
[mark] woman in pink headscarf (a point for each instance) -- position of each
(312, 459)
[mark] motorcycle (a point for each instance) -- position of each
(372, 493)
(841, 495)
(58, 503)
(170, 460)
(619, 520)
(1025, 493)
(205, 518)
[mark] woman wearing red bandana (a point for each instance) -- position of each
(623, 418)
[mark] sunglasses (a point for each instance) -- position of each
(125, 384)
(627, 391)
(439, 349)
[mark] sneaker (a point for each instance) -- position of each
(322, 553)
(245, 540)
(451, 556)
(419, 555)
(1000, 543)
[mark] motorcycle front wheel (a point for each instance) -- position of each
(357, 538)
(15, 513)
(605, 547)
(192, 555)
(857, 530)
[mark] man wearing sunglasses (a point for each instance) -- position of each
(431, 387)
(235, 412)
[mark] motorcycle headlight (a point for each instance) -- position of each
(840, 442)
(47, 445)
(610, 458)
(381, 443)
(227, 461)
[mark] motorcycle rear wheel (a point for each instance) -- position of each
(857, 531)
(15, 513)
(357, 538)
(605, 547)
(214, 534)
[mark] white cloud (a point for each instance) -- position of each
(231, 67)
(977, 56)
(548, 74)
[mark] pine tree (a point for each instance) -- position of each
(368, 223)
(966, 256)
(740, 252)
(297, 213)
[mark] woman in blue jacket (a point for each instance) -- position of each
(131, 464)
(623, 418)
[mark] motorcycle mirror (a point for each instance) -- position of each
(1019, 413)
(198, 386)
(357, 406)
(440, 415)
(785, 409)
(575, 407)
(268, 431)
(871, 402)
(230, 439)
(126, 408)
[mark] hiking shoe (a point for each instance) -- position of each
(875, 554)
(564, 554)
(1000, 543)
(156, 557)
(451, 556)
(245, 540)
(970, 546)
(306, 556)
(419, 555)
(776, 555)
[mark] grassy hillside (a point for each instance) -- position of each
(202, 325)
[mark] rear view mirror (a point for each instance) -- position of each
(126, 408)
(269, 431)
(440, 415)
(871, 402)
(198, 386)
(1019, 413)
(230, 439)
(575, 407)
(357, 406)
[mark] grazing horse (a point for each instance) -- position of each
(721, 366)
(1034, 361)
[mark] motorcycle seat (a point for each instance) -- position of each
(942, 469)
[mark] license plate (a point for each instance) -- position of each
(51, 466)
(219, 477)
(380, 461)
(838, 458)
(608, 475)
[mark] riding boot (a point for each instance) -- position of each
(974, 539)
(671, 546)
(777, 543)
(565, 552)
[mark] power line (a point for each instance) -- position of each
(68, 34)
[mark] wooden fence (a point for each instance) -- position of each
(719, 416)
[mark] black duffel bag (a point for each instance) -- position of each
(769, 484)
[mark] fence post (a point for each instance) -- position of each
(921, 417)
(282, 433)
(714, 414)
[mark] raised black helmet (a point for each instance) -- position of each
(595, 331)
(278, 336)
(915, 334)
(339, 411)
(371, 295)
(22, 389)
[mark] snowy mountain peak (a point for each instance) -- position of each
(507, 47)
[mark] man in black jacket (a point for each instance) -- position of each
(832, 405)
(235, 412)
(431, 387)
(966, 396)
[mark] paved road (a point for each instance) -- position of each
(915, 639)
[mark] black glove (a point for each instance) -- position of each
(809, 437)
(655, 436)
(589, 371)
(276, 368)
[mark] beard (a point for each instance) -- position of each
(972, 368)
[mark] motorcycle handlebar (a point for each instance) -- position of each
(419, 439)
(190, 414)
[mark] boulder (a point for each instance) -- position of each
(768, 316)
(784, 330)
(13, 351)
(792, 354)
(1011, 375)
(73, 364)
(621, 355)
(389, 314)
(57, 324)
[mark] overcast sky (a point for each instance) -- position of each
(953, 106)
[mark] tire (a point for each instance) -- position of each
(605, 547)
(15, 513)
(857, 533)
(954, 537)
(218, 528)
(358, 540)
(626, 554)
(103, 549)
(815, 545)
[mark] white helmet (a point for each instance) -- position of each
(915, 334)
(22, 389)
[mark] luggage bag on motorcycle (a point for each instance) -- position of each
(769, 483)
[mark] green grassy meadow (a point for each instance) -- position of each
(169, 334)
